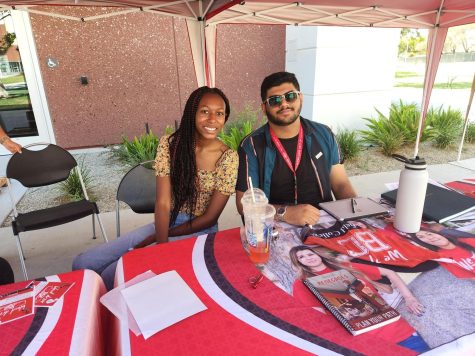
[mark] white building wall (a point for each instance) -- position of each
(344, 72)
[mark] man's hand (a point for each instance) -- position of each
(302, 214)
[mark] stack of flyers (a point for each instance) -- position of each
(48, 293)
(20, 303)
(17, 304)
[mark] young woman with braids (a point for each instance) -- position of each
(196, 174)
(310, 262)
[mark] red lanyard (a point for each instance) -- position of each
(285, 156)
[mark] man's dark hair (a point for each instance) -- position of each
(277, 79)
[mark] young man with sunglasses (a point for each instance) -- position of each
(295, 161)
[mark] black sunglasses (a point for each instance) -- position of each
(277, 100)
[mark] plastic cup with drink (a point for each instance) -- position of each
(259, 222)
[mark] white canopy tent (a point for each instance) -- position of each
(202, 17)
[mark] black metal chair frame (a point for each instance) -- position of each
(50, 165)
(138, 190)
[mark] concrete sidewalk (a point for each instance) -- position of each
(52, 250)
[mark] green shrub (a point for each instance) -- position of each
(399, 129)
(240, 125)
(349, 144)
(384, 134)
(406, 118)
(71, 188)
(140, 149)
(470, 133)
(235, 135)
(447, 126)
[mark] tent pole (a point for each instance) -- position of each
(427, 79)
(459, 154)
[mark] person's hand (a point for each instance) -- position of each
(413, 305)
(13, 147)
(302, 214)
(148, 240)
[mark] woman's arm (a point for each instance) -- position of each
(209, 218)
(162, 212)
(412, 303)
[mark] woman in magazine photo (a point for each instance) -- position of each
(461, 251)
(310, 262)
(196, 174)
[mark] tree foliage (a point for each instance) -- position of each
(6, 42)
(411, 43)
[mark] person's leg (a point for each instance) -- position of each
(108, 275)
(6, 272)
(100, 257)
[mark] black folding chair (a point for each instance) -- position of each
(137, 189)
(47, 166)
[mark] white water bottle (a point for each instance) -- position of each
(411, 194)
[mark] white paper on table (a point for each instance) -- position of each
(161, 301)
(115, 303)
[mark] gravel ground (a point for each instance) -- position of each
(107, 172)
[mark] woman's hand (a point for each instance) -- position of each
(148, 240)
(413, 305)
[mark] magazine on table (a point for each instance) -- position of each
(358, 307)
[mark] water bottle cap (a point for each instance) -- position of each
(418, 163)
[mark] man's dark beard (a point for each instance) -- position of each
(277, 122)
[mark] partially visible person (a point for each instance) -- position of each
(7, 142)
(311, 262)
(460, 250)
(295, 161)
(6, 272)
(196, 174)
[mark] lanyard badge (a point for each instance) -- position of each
(286, 158)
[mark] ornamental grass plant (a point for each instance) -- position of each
(349, 143)
(240, 125)
(470, 133)
(139, 149)
(447, 126)
(71, 189)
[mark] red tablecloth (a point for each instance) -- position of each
(239, 320)
(73, 326)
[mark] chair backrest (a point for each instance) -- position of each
(138, 188)
(49, 165)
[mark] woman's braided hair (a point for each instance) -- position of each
(182, 143)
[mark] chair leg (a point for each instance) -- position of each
(93, 227)
(117, 218)
(22, 258)
(104, 235)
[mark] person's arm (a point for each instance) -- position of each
(209, 218)
(300, 214)
(340, 183)
(239, 195)
(412, 303)
(8, 143)
(162, 213)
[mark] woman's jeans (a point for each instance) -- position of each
(103, 259)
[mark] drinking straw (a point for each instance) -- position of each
(252, 189)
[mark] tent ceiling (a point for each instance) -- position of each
(367, 13)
